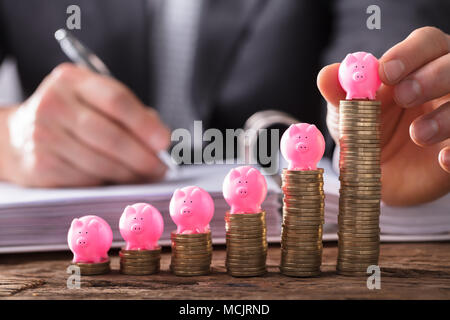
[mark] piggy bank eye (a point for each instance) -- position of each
(79, 232)
(246, 181)
(86, 232)
(191, 201)
(362, 67)
(299, 137)
(142, 218)
(134, 218)
(239, 181)
(356, 66)
(306, 137)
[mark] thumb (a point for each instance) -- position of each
(331, 90)
(329, 86)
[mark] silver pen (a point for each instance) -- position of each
(81, 55)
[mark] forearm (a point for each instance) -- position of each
(4, 139)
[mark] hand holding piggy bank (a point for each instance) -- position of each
(358, 76)
(302, 145)
(244, 189)
(89, 238)
(191, 208)
(141, 226)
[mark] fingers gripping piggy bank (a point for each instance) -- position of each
(358, 76)
(141, 225)
(89, 238)
(191, 208)
(302, 145)
(244, 189)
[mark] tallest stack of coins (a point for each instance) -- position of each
(359, 164)
(360, 192)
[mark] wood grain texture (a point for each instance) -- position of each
(409, 271)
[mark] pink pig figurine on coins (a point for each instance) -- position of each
(141, 225)
(358, 76)
(244, 189)
(302, 145)
(89, 238)
(191, 208)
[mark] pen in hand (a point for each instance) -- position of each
(82, 56)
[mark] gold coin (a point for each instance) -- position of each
(362, 188)
(298, 209)
(139, 264)
(244, 237)
(355, 251)
(297, 269)
(190, 274)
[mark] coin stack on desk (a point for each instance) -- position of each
(191, 254)
(246, 244)
(360, 192)
(91, 269)
(140, 262)
(303, 218)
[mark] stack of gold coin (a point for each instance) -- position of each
(140, 262)
(246, 236)
(191, 254)
(303, 218)
(360, 192)
(90, 269)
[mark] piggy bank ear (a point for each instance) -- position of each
(293, 130)
(196, 192)
(252, 173)
(94, 224)
(129, 210)
(179, 194)
(369, 58)
(76, 223)
(311, 128)
(350, 58)
(234, 174)
(147, 210)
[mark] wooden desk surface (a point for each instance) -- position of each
(409, 271)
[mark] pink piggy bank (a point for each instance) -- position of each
(191, 208)
(89, 239)
(358, 76)
(244, 189)
(141, 225)
(302, 145)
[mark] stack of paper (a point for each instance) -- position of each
(38, 219)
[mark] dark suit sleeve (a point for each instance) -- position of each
(2, 41)
(398, 19)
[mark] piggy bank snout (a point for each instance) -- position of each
(302, 147)
(186, 211)
(241, 192)
(137, 228)
(82, 242)
(358, 76)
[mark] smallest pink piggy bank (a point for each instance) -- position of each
(302, 145)
(244, 189)
(89, 238)
(141, 225)
(191, 208)
(358, 76)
